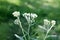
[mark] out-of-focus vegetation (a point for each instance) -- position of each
(49, 9)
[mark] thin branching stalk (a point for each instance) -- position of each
(29, 25)
(21, 28)
(28, 30)
(48, 32)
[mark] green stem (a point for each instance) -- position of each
(29, 32)
(29, 24)
(21, 27)
(48, 32)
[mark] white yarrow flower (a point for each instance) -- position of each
(53, 22)
(30, 17)
(16, 14)
(33, 15)
(46, 22)
(27, 16)
(16, 21)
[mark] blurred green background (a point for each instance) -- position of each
(49, 9)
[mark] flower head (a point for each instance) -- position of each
(46, 22)
(53, 22)
(30, 16)
(16, 21)
(16, 14)
(33, 15)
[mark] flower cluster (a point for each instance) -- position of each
(16, 21)
(16, 14)
(47, 22)
(30, 17)
(53, 22)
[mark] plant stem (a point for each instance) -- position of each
(21, 27)
(48, 32)
(29, 32)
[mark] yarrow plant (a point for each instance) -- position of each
(49, 24)
(30, 17)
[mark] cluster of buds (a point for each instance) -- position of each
(30, 17)
(47, 22)
(16, 14)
